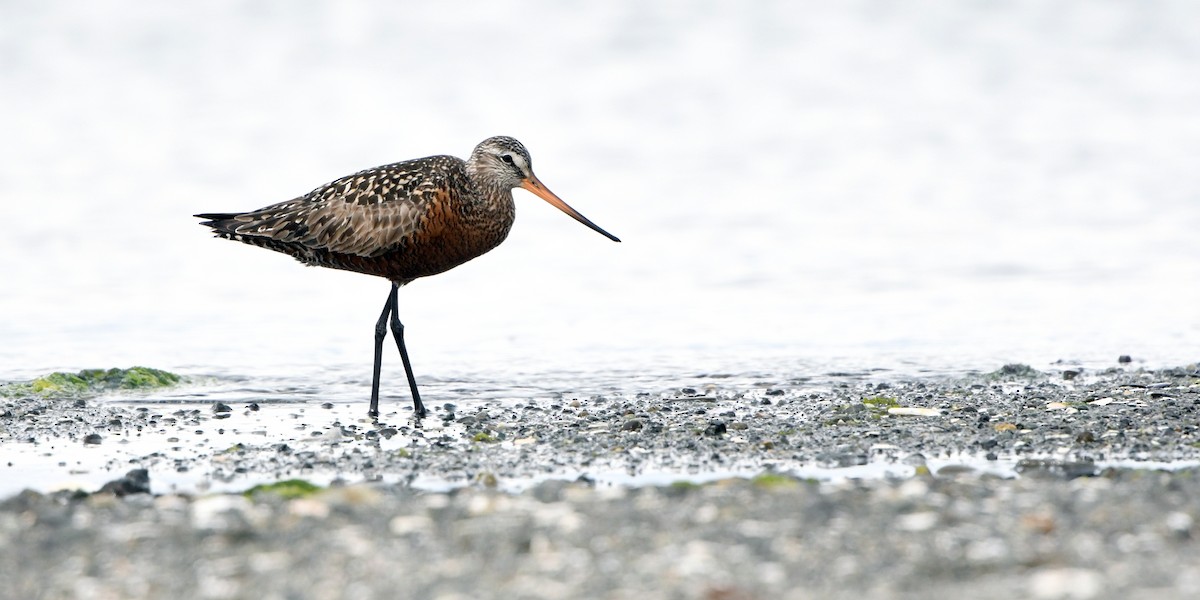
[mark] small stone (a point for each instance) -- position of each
(327, 405)
(92, 438)
(919, 521)
(1066, 582)
(1085, 437)
(221, 407)
(1070, 374)
(136, 481)
(1124, 359)
(914, 411)
(1180, 523)
(955, 470)
(632, 425)
(716, 428)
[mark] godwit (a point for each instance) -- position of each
(400, 221)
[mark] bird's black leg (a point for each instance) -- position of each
(380, 332)
(398, 333)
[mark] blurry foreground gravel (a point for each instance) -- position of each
(1118, 535)
(1070, 521)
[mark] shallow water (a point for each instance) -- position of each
(192, 452)
(802, 189)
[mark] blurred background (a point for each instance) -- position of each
(801, 187)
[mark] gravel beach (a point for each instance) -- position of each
(1016, 483)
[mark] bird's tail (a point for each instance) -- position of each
(222, 224)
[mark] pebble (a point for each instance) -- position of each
(1066, 583)
(913, 411)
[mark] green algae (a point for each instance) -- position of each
(772, 481)
(484, 437)
(58, 384)
(90, 381)
(288, 489)
(683, 485)
(882, 402)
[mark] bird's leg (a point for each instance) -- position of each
(380, 332)
(398, 333)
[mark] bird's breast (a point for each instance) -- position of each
(449, 236)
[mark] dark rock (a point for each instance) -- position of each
(1014, 370)
(136, 481)
(221, 407)
(1124, 359)
(632, 425)
(550, 490)
(93, 438)
(1053, 469)
(716, 428)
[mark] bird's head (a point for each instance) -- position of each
(505, 162)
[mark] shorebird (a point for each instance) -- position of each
(401, 221)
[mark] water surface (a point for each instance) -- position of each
(801, 187)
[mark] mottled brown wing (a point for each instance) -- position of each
(365, 214)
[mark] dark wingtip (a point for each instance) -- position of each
(214, 216)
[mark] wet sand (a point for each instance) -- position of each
(1065, 484)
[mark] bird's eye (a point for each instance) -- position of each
(506, 158)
